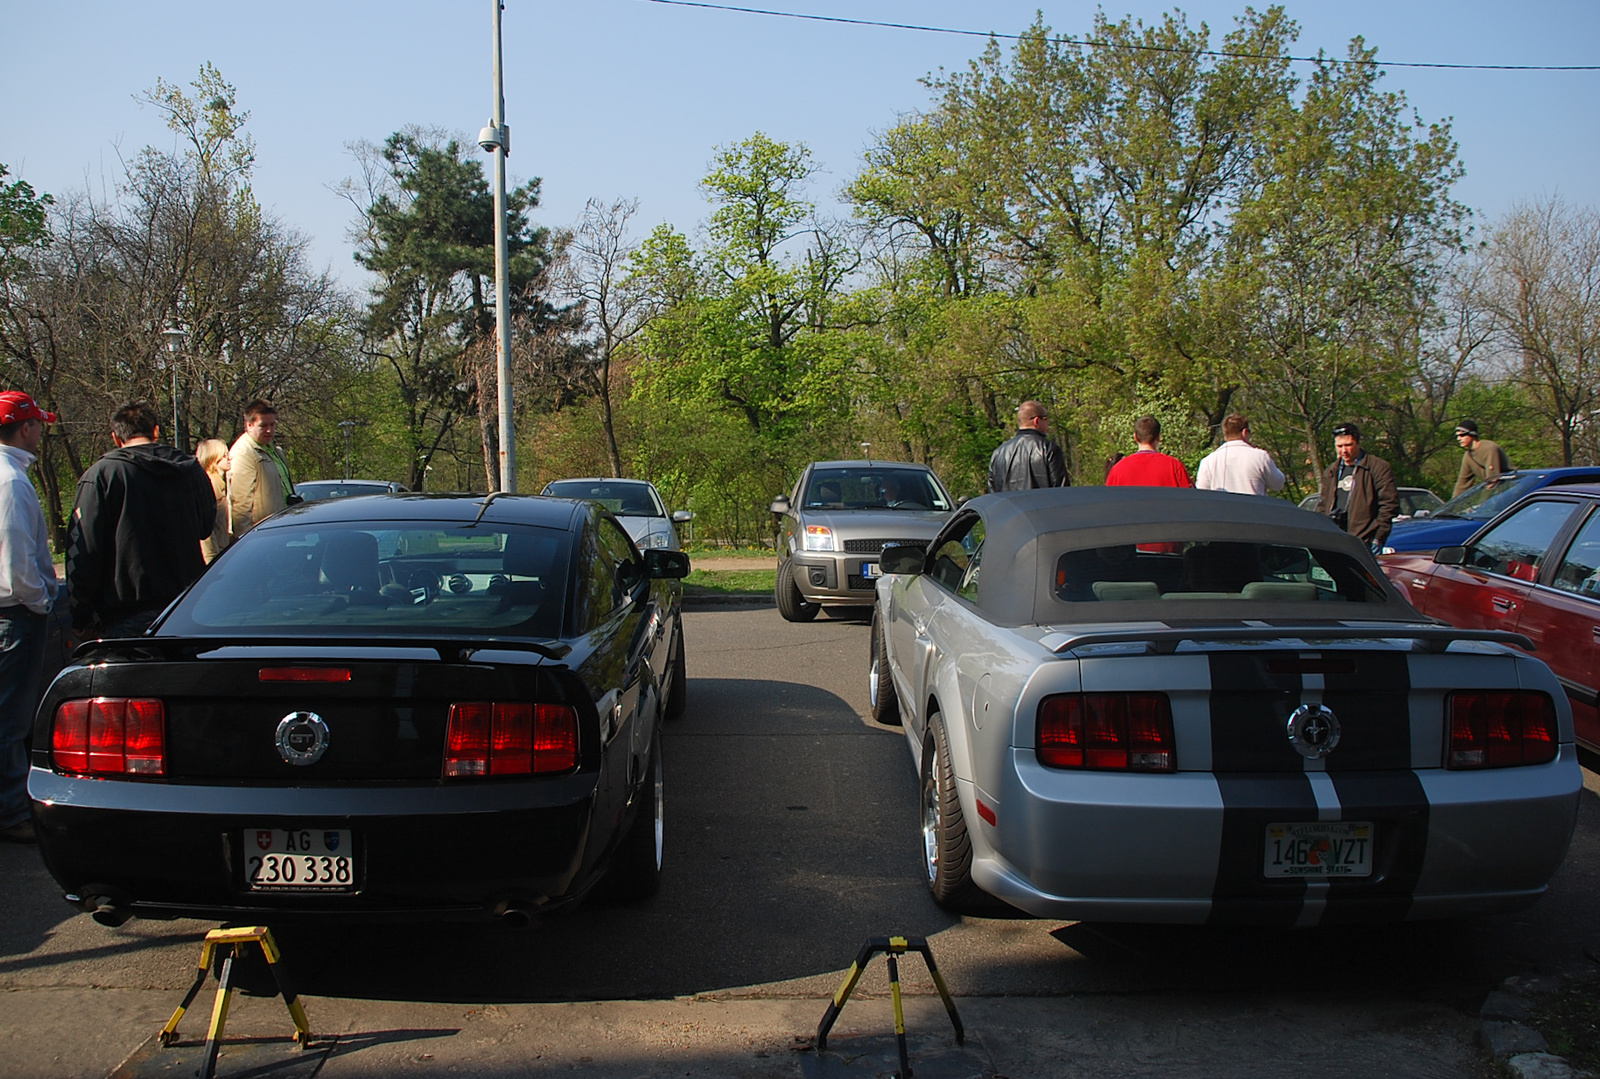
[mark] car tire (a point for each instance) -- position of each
(791, 604)
(882, 699)
(636, 867)
(946, 847)
(678, 696)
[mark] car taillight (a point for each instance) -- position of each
(1130, 732)
(506, 739)
(110, 736)
(1500, 728)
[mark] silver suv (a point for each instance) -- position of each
(840, 515)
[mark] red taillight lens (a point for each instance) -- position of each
(1500, 728)
(486, 739)
(1130, 732)
(304, 674)
(110, 736)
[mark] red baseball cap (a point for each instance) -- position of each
(16, 406)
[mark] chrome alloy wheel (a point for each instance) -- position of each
(931, 819)
(655, 792)
(873, 675)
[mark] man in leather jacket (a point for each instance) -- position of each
(1028, 459)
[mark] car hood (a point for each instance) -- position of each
(1431, 533)
(878, 524)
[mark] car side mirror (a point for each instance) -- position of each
(682, 516)
(780, 506)
(666, 565)
(1450, 556)
(963, 500)
(902, 558)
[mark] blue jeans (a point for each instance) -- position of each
(21, 658)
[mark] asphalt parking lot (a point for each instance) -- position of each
(791, 838)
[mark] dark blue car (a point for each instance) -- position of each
(1456, 520)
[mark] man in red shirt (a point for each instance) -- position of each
(1149, 467)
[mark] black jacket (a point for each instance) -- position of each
(1025, 461)
(134, 540)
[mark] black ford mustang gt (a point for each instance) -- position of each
(404, 706)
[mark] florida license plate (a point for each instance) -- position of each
(870, 570)
(1319, 849)
(303, 859)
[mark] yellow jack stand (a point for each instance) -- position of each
(232, 940)
(890, 947)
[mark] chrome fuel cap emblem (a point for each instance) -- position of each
(302, 738)
(1313, 730)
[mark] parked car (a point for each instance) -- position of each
(636, 503)
(1463, 515)
(1414, 502)
(1534, 569)
(837, 519)
(418, 707)
(316, 490)
(1150, 705)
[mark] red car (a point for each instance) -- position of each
(1535, 570)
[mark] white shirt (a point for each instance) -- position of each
(1239, 467)
(27, 576)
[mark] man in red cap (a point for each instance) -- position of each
(27, 592)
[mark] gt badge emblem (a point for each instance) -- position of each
(1313, 730)
(302, 738)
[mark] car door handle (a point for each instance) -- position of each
(1503, 604)
(1418, 582)
(1595, 633)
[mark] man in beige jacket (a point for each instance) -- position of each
(258, 481)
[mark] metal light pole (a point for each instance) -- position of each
(347, 426)
(496, 139)
(175, 337)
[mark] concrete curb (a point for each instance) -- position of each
(762, 600)
(1505, 1033)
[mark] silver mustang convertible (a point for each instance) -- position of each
(1145, 704)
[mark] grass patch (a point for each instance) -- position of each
(1569, 1019)
(701, 550)
(719, 582)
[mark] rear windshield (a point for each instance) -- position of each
(874, 488)
(315, 492)
(349, 580)
(1179, 572)
(622, 499)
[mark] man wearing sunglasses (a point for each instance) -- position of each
(1358, 489)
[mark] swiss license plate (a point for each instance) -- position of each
(300, 859)
(1319, 849)
(869, 570)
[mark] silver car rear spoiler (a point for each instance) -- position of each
(1166, 639)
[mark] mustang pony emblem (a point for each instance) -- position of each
(1313, 730)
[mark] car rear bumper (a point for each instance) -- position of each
(1189, 847)
(445, 851)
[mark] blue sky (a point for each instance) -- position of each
(611, 98)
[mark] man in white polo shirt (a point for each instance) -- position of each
(1238, 466)
(27, 592)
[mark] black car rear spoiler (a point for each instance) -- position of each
(1167, 639)
(449, 650)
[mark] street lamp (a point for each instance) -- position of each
(175, 337)
(348, 426)
(496, 139)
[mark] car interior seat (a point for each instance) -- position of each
(350, 567)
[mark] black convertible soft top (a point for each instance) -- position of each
(1027, 532)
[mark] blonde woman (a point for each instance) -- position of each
(213, 457)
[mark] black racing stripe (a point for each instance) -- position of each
(1398, 807)
(1373, 703)
(1249, 803)
(1250, 709)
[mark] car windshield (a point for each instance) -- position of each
(622, 499)
(875, 487)
(1485, 500)
(313, 492)
(1417, 500)
(1183, 571)
(376, 579)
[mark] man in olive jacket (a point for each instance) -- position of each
(258, 480)
(1358, 489)
(1028, 459)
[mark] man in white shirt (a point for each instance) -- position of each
(1238, 466)
(27, 592)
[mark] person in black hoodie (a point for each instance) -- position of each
(134, 541)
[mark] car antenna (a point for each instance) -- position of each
(486, 502)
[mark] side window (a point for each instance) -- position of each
(1580, 568)
(597, 585)
(618, 548)
(1517, 546)
(955, 560)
